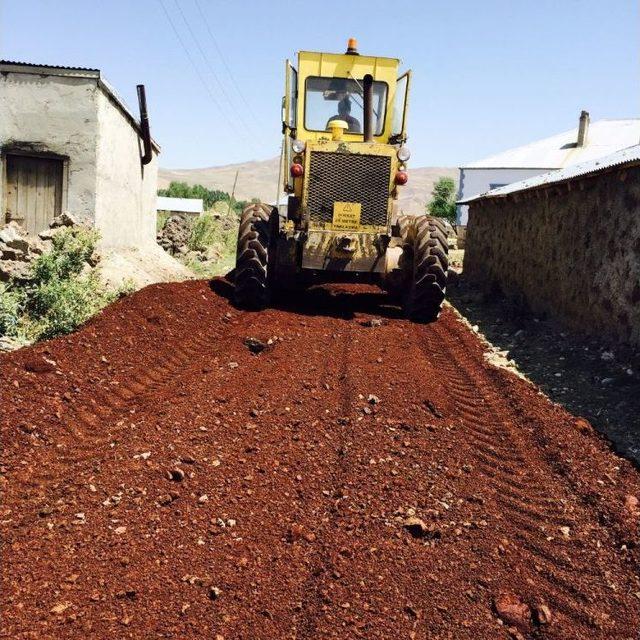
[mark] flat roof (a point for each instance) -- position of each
(185, 205)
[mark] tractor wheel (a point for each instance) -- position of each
(425, 255)
(255, 241)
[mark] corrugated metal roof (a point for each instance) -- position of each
(604, 137)
(185, 205)
(631, 155)
(18, 63)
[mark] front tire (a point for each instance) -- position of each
(255, 241)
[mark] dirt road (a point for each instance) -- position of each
(160, 480)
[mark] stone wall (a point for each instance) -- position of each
(571, 251)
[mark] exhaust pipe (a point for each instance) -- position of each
(144, 125)
(367, 99)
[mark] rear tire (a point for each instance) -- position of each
(255, 241)
(425, 261)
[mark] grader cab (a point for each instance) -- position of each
(344, 159)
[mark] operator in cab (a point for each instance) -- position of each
(344, 113)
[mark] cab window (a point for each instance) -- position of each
(329, 99)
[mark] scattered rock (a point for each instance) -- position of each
(512, 610)
(372, 322)
(584, 426)
(165, 499)
(177, 474)
(542, 614)
(255, 345)
(65, 219)
(40, 365)
(298, 532)
(371, 399)
(631, 504)
(214, 592)
(60, 608)
(418, 528)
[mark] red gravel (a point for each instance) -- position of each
(285, 515)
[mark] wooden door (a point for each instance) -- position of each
(33, 191)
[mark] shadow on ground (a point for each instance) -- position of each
(590, 378)
(336, 300)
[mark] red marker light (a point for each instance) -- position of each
(297, 170)
(402, 177)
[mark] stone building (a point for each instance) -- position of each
(565, 243)
(589, 141)
(69, 143)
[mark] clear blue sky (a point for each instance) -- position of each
(487, 75)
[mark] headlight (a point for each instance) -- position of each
(404, 154)
(298, 146)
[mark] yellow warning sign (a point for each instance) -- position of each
(346, 215)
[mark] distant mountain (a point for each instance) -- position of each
(259, 179)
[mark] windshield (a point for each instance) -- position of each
(329, 99)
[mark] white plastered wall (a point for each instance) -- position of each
(125, 190)
(57, 115)
(473, 182)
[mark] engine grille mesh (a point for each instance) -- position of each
(348, 177)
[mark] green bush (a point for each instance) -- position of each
(60, 295)
(12, 303)
(443, 204)
(161, 220)
(203, 233)
(208, 196)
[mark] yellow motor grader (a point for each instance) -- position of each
(344, 158)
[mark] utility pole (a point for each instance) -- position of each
(233, 191)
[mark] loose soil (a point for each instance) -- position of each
(586, 374)
(164, 478)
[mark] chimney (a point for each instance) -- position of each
(583, 129)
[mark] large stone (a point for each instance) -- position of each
(10, 253)
(65, 219)
(512, 610)
(11, 231)
(12, 269)
(38, 246)
(14, 236)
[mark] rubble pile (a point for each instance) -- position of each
(18, 249)
(174, 236)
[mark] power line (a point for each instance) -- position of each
(194, 65)
(224, 62)
(213, 72)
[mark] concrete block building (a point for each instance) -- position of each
(69, 143)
